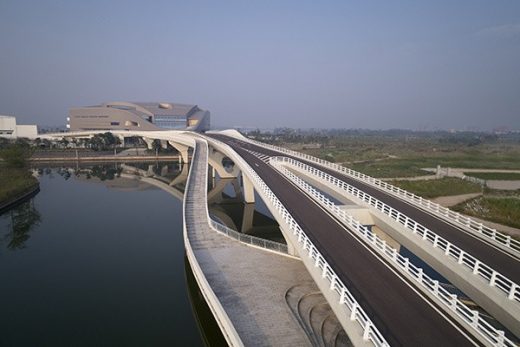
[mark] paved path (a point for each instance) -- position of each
(452, 200)
(250, 283)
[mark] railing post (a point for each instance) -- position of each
(342, 297)
(366, 332)
(447, 251)
(493, 279)
(453, 302)
(475, 268)
(474, 320)
(332, 282)
(353, 312)
(461, 257)
(512, 292)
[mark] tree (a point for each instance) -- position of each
(16, 155)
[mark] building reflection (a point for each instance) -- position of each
(22, 219)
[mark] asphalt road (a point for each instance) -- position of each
(399, 312)
(489, 255)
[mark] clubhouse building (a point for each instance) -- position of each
(139, 116)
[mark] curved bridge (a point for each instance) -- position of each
(379, 296)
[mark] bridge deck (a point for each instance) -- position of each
(399, 312)
(250, 283)
(488, 254)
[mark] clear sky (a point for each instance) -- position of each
(333, 64)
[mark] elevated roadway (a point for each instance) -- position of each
(505, 263)
(401, 313)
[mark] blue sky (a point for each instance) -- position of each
(343, 64)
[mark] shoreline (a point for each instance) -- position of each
(106, 158)
(25, 195)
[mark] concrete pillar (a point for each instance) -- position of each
(248, 189)
(183, 151)
(149, 142)
(182, 177)
(215, 161)
(247, 218)
(164, 144)
(164, 170)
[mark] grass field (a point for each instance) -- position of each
(404, 156)
(500, 209)
(441, 187)
(512, 176)
(14, 182)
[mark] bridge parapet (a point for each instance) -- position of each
(471, 318)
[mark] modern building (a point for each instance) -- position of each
(138, 116)
(9, 128)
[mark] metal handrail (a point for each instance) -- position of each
(477, 267)
(249, 239)
(455, 217)
(469, 316)
(370, 332)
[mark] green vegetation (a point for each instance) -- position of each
(389, 168)
(495, 175)
(503, 209)
(102, 142)
(15, 182)
(14, 175)
(402, 153)
(439, 187)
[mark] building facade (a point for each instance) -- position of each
(9, 129)
(139, 116)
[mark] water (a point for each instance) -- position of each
(89, 262)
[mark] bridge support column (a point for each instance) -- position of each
(149, 142)
(248, 189)
(183, 151)
(247, 218)
(164, 144)
(215, 159)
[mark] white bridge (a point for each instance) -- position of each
(346, 230)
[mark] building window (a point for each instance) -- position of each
(114, 123)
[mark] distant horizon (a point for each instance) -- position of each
(344, 64)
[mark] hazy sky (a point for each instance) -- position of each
(344, 64)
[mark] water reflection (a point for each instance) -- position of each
(21, 220)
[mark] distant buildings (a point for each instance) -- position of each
(138, 116)
(9, 128)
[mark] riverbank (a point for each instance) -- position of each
(106, 158)
(17, 185)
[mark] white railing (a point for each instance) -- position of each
(251, 240)
(195, 192)
(370, 332)
(452, 216)
(451, 301)
(491, 276)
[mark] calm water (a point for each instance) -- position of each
(89, 263)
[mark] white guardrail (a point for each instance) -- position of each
(492, 277)
(370, 332)
(455, 217)
(251, 240)
(469, 316)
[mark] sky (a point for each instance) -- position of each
(301, 64)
